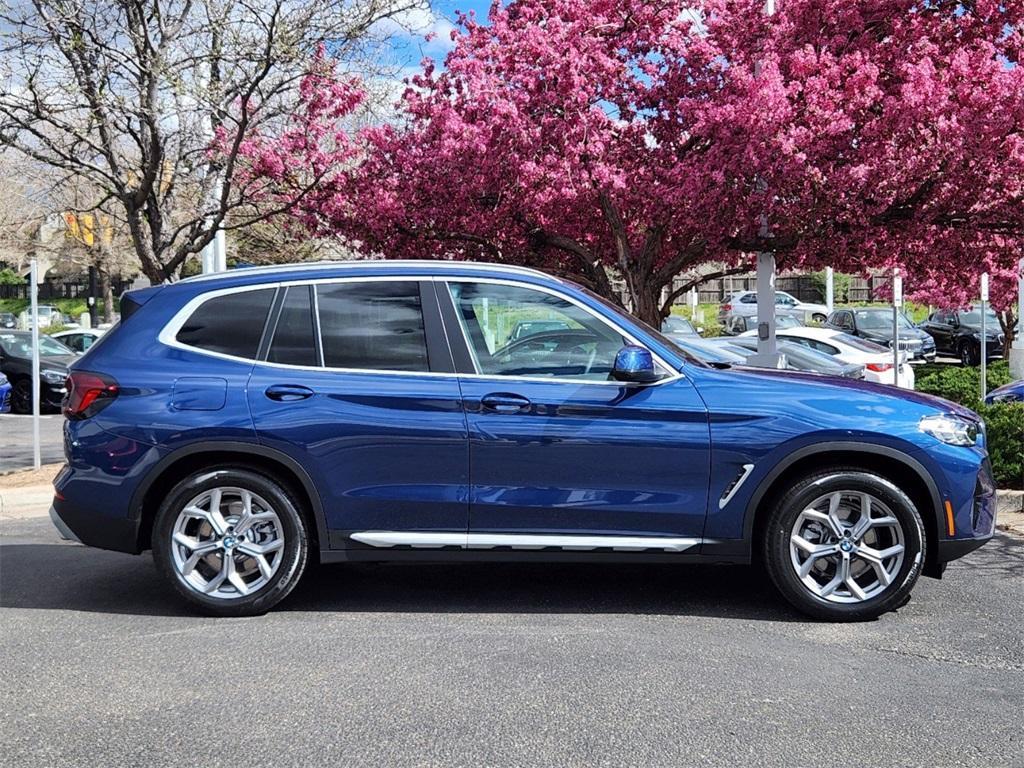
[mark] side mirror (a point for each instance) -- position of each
(634, 364)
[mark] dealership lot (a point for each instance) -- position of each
(16, 440)
(502, 665)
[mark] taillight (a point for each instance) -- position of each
(879, 367)
(727, 307)
(88, 394)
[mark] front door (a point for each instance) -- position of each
(353, 394)
(556, 447)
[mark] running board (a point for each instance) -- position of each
(420, 540)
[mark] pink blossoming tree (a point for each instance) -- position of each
(596, 138)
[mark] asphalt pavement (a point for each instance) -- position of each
(494, 665)
(16, 440)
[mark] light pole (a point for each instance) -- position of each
(830, 289)
(984, 336)
(767, 349)
(1017, 351)
(897, 304)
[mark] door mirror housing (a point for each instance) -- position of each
(634, 364)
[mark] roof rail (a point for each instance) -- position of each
(355, 264)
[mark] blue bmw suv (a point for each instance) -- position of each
(243, 424)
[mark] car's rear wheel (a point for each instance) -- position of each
(230, 541)
(21, 396)
(819, 318)
(845, 545)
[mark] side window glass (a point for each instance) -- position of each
(294, 342)
(749, 298)
(231, 324)
(373, 325)
(518, 331)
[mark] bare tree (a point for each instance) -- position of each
(128, 94)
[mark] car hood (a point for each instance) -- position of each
(57, 361)
(905, 333)
(1013, 388)
(817, 383)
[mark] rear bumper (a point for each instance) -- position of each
(120, 535)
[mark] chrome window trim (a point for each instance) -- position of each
(168, 335)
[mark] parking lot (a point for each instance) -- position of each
(16, 440)
(502, 665)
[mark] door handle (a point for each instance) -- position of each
(504, 402)
(288, 393)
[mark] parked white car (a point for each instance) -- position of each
(876, 359)
(79, 339)
(745, 303)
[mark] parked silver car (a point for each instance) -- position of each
(745, 303)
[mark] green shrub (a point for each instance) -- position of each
(961, 385)
(1004, 422)
(9, 277)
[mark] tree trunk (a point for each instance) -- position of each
(1007, 321)
(645, 296)
(108, 296)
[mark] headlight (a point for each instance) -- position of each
(53, 377)
(950, 429)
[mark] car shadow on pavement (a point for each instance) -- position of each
(75, 578)
(67, 577)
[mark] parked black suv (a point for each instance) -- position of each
(16, 364)
(875, 324)
(958, 332)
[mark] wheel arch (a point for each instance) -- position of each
(180, 463)
(903, 470)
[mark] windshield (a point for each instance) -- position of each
(677, 324)
(787, 321)
(973, 317)
(880, 320)
(857, 343)
(712, 353)
(20, 345)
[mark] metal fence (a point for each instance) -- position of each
(803, 287)
(59, 289)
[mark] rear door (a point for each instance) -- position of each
(356, 384)
(556, 447)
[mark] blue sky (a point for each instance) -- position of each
(409, 31)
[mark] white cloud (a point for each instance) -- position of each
(414, 24)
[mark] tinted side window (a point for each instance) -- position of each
(294, 341)
(373, 325)
(231, 324)
(748, 298)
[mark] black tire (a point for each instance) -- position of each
(784, 516)
(969, 355)
(294, 554)
(21, 396)
(819, 318)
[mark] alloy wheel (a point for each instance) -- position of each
(227, 543)
(847, 547)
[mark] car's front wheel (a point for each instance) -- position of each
(845, 545)
(968, 354)
(230, 541)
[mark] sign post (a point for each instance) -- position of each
(34, 294)
(897, 304)
(984, 338)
